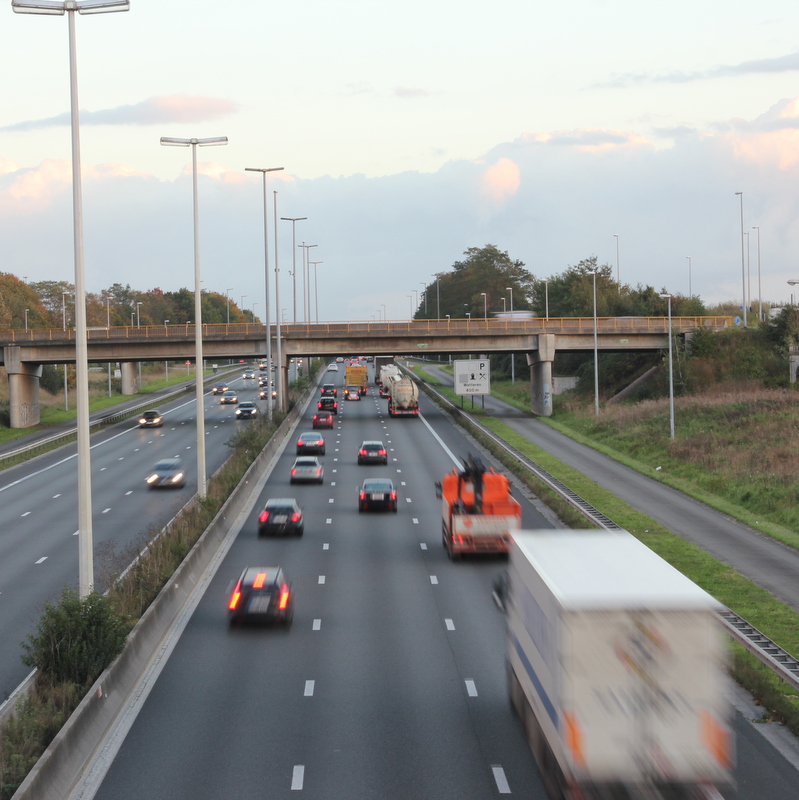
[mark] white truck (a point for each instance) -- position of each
(403, 397)
(615, 667)
(388, 373)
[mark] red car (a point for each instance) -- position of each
(323, 419)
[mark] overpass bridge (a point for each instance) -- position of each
(25, 351)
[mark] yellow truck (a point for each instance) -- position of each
(357, 376)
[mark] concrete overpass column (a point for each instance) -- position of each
(23, 389)
(130, 377)
(283, 391)
(540, 362)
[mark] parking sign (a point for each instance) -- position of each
(472, 377)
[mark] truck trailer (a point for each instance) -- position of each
(355, 375)
(616, 669)
(403, 397)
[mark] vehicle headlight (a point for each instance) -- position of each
(177, 477)
(152, 479)
(142, 421)
(238, 411)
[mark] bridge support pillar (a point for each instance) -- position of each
(23, 389)
(130, 377)
(540, 363)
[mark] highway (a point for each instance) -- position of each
(38, 545)
(391, 682)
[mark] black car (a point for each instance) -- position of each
(151, 419)
(261, 594)
(312, 443)
(373, 452)
(230, 397)
(247, 410)
(167, 473)
(281, 517)
(328, 404)
(329, 390)
(377, 494)
(219, 388)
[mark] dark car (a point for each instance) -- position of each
(262, 594)
(247, 410)
(306, 469)
(167, 473)
(329, 390)
(281, 517)
(372, 453)
(229, 397)
(323, 419)
(264, 392)
(219, 388)
(377, 494)
(151, 419)
(310, 443)
(328, 404)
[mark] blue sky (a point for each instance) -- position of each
(408, 132)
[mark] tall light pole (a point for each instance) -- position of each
(485, 306)
(546, 299)
(166, 363)
(267, 281)
(241, 306)
(438, 299)
(512, 356)
(748, 274)
(202, 482)
(743, 266)
(596, 353)
(690, 292)
(759, 291)
(385, 316)
(316, 287)
(85, 547)
(108, 325)
(281, 393)
(618, 274)
(410, 305)
(671, 373)
(227, 303)
(138, 325)
(294, 221)
(26, 318)
(415, 302)
(306, 279)
(253, 310)
(425, 296)
(64, 323)
(504, 305)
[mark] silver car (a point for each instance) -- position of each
(167, 473)
(306, 469)
(229, 397)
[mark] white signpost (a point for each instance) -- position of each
(472, 377)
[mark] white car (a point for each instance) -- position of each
(248, 375)
(332, 367)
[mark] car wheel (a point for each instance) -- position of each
(394, 509)
(323, 451)
(321, 480)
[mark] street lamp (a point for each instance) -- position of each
(485, 306)
(316, 287)
(759, 291)
(425, 296)
(227, 303)
(618, 278)
(64, 324)
(671, 373)
(415, 301)
(385, 316)
(410, 305)
(242, 305)
(504, 305)
(198, 313)
(596, 353)
(267, 322)
(743, 268)
(546, 298)
(85, 547)
(306, 279)
(512, 357)
(166, 363)
(438, 299)
(108, 325)
(748, 274)
(294, 221)
(138, 321)
(26, 318)
(253, 311)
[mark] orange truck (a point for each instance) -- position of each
(478, 512)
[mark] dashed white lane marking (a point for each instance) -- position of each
(309, 686)
(25, 514)
(502, 782)
(335, 470)
(127, 493)
(42, 559)
(332, 483)
(335, 459)
(77, 533)
(402, 483)
(297, 778)
(433, 580)
(121, 458)
(103, 469)
(106, 510)
(321, 579)
(317, 625)
(331, 500)
(450, 624)
(135, 449)
(329, 521)
(326, 546)
(471, 689)
(55, 496)
(399, 471)
(422, 546)
(395, 459)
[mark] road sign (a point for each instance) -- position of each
(472, 376)
(188, 363)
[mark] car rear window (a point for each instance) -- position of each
(377, 486)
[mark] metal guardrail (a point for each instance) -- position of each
(781, 662)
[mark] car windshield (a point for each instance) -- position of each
(163, 466)
(246, 404)
(151, 414)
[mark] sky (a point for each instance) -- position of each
(408, 133)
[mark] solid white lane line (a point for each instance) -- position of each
(326, 546)
(297, 778)
(471, 689)
(450, 624)
(309, 686)
(433, 580)
(321, 579)
(502, 782)
(41, 560)
(317, 624)
(441, 442)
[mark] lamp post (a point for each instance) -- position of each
(438, 299)
(138, 325)
(26, 318)
(596, 353)
(512, 357)
(504, 305)
(267, 322)
(198, 313)
(253, 311)
(671, 373)
(85, 547)
(316, 287)
(743, 267)
(241, 306)
(618, 274)
(410, 305)
(227, 303)
(306, 279)
(690, 293)
(748, 275)
(281, 393)
(64, 323)
(485, 306)
(546, 299)
(385, 316)
(424, 291)
(759, 290)
(166, 363)
(108, 325)
(294, 221)
(415, 301)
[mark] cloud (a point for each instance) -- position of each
(501, 180)
(153, 111)
(407, 91)
(586, 138)
(787, 63)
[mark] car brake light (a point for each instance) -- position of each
(393, 495)
(264, 516)
(381, 452)
(362, 452)
(284, 597)
(295, 517)
(260, 580)
(235, 597)
(363, 496)
(294, 472)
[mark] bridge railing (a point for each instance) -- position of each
(466, 326)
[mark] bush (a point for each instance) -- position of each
(76, 639)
